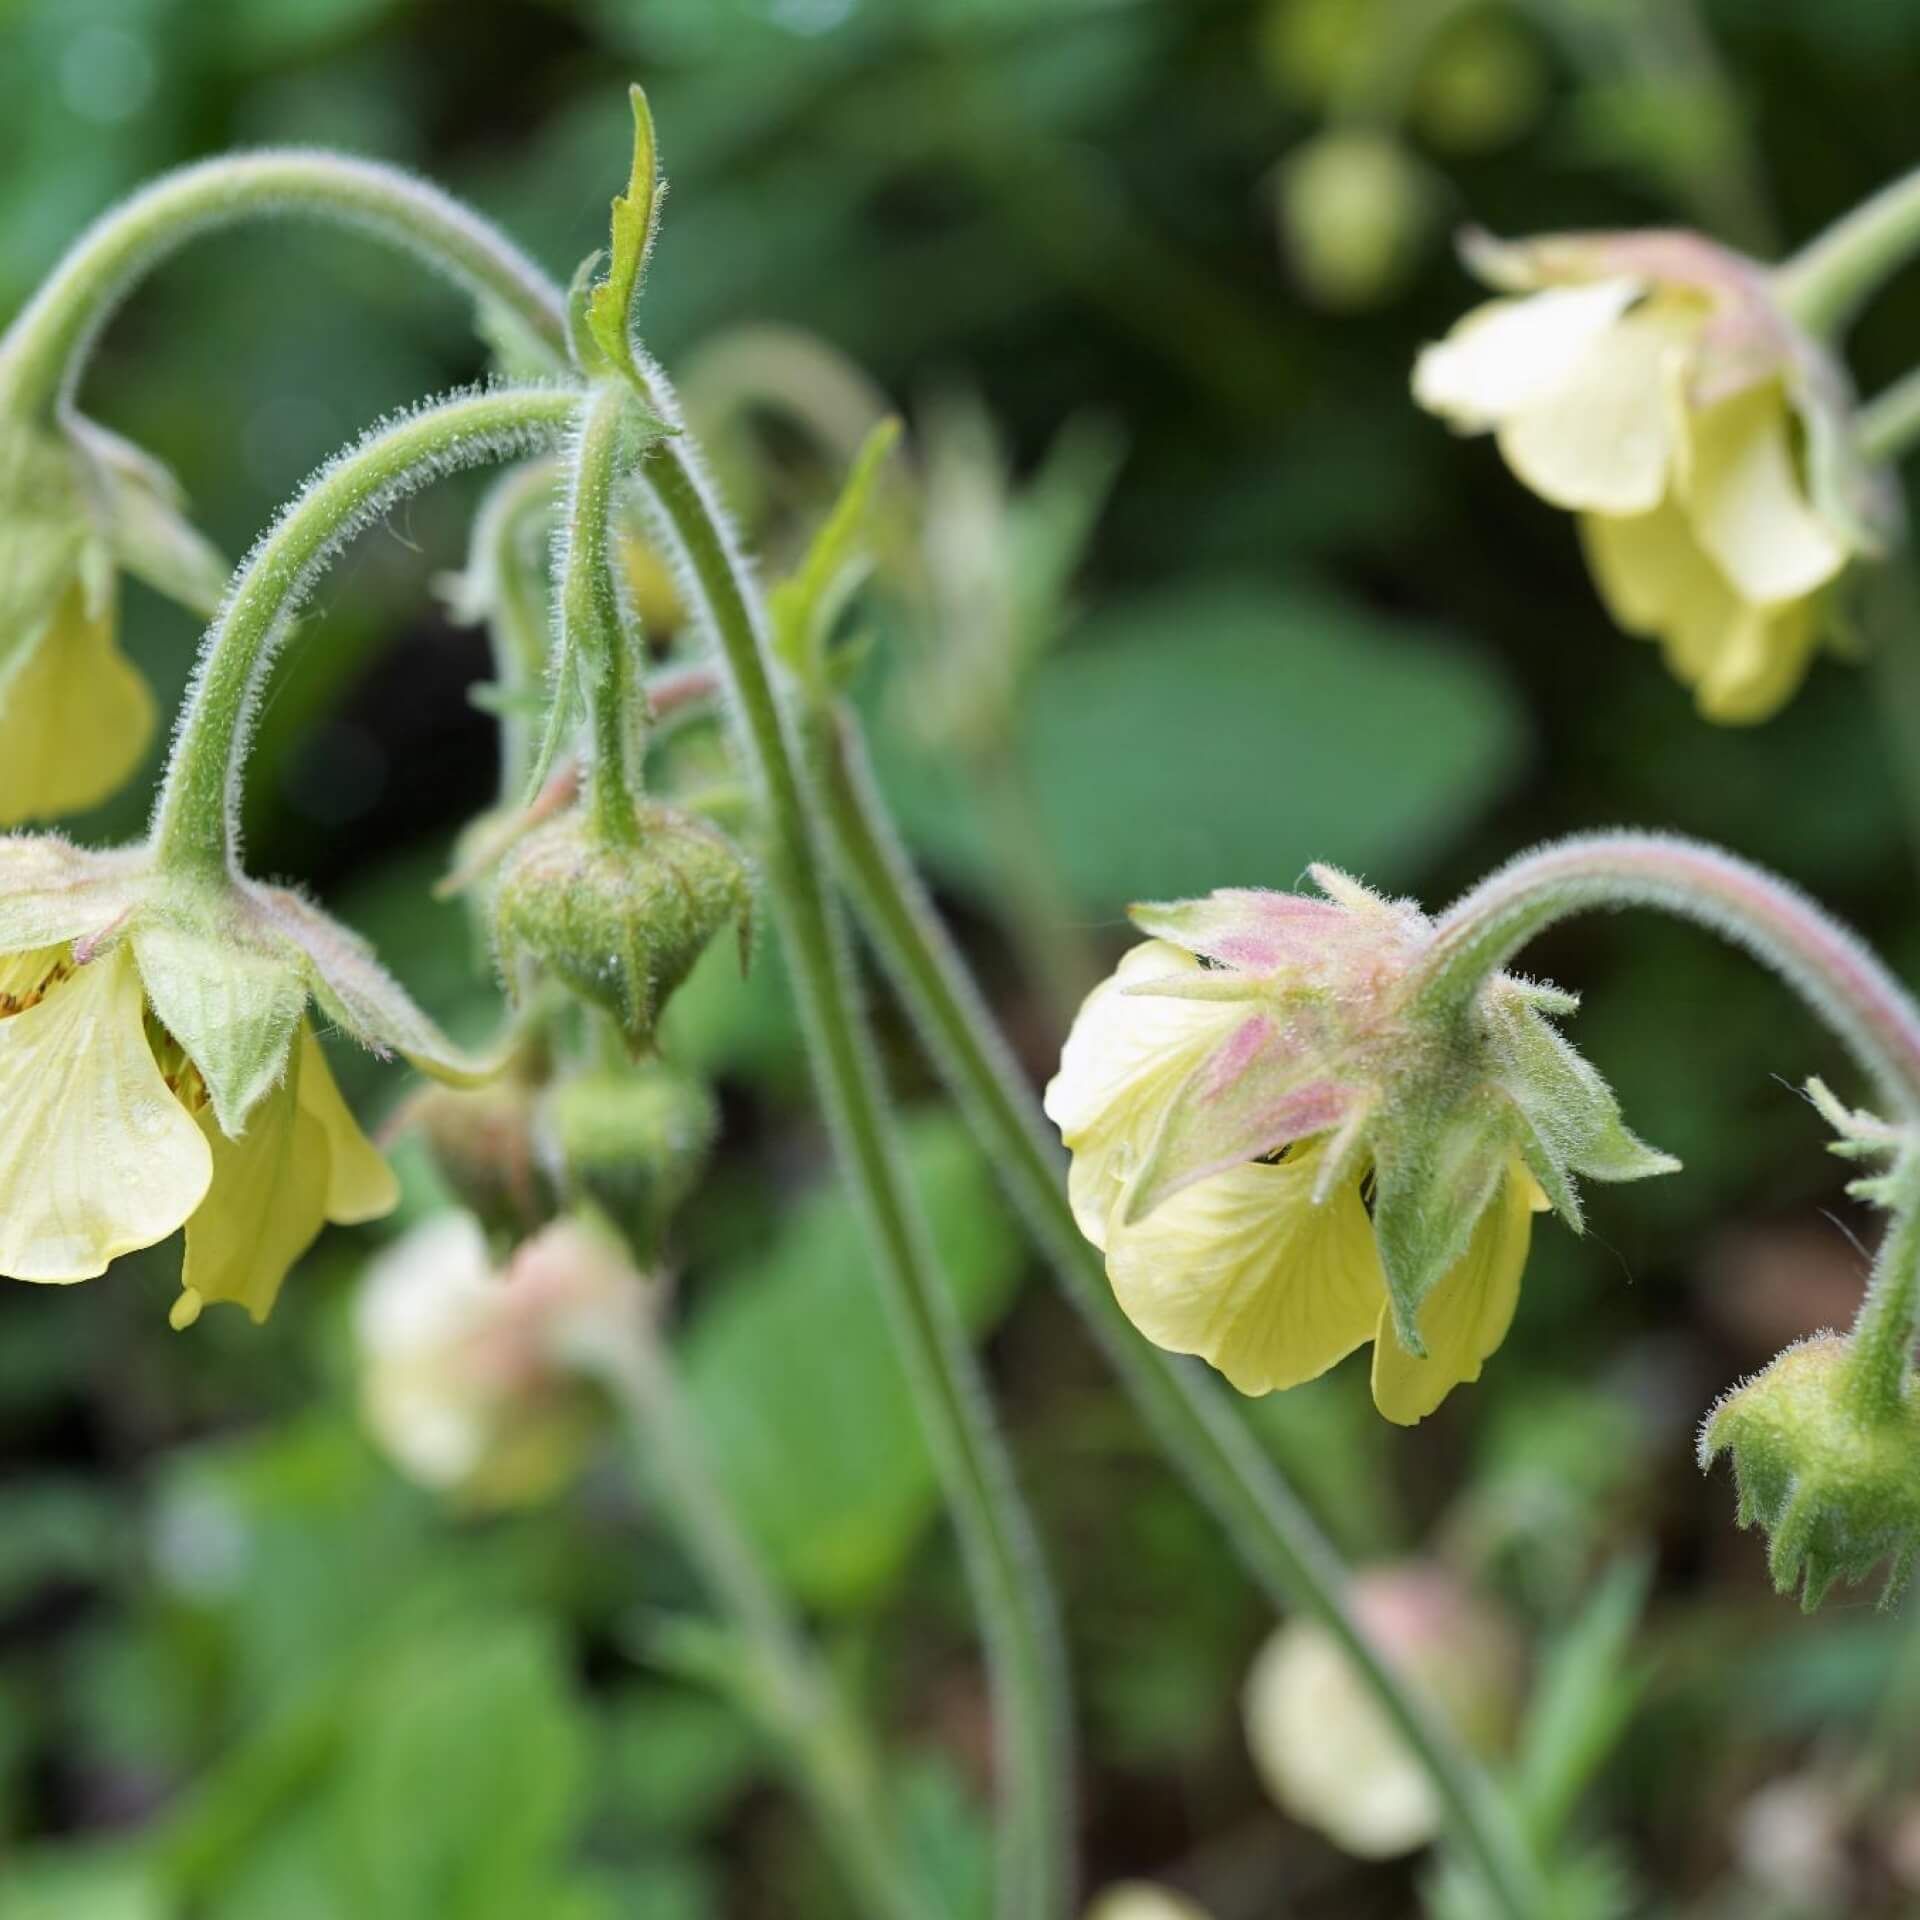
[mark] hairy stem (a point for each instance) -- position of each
(1886, 427)
(1831, 969)
(594, 634)
(996, 1535)
(195, 817)
(45, 349)
(1272, 1532)
(827, 1755)
(1826, 283)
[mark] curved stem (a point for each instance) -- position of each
(1827, 282)
(1831, 969)
(195, 818)
(44, 350)
(594, 634)
(996, 1535)
(827, 1755)
(1882, 1338)
(1274, 1535)
(1886, 427)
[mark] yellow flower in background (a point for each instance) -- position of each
(1319, 1741)
(77, 507)
(1143, 1900)
(1647, 383)
(468, 1378)
(1280, 1166)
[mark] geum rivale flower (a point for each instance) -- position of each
(1650, 383)
(77, 508)
(1285, 1154)
(159, 1069)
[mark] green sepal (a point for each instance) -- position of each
(807, 606)
(52, 892)
(144, 525)
(1834, 1487)
(610, 306)
(233, 1007)
(589, 356)
(1426, 1204)
(1571, 1120)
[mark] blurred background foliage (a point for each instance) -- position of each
(1253, 610)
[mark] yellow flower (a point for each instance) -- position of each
(468, 1380)
(1318, 1738)
(1281, 1165)
(1647, 383)
(158, 1071)
(77, 506)
(1142, 1900)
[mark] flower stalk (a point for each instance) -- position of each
(1003, 1558)
(826, 1752)
(1274, 1535)
(195, 821)
(1826, 283)
(44, 351)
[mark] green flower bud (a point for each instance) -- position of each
(1833, 1485)
(1354, 206)
(634, 1141)
(482, 1143)
(621, 926)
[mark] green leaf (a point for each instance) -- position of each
(462, 1784)
(611, 304)
(807, 606)
(1228, 734)
(806, 1415)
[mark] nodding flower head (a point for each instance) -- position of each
(1284, 1153)
(77, 506)
(1650, 383)
(159, 1070)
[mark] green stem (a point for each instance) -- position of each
(1827, 282)
(1273, 1533)
(989, 1515)
(1886, 427)
(828, 1757)
(1834, 971)
(590, 610)
(1882, 1340)
(45, 349)
(195, 818)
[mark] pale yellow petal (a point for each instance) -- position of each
(1605, 438)
(1762, 657)
(264, 1209)
(1126, 1057)
(1468, 1313)
(360, 1184)
(1511, 354)
(1246, 1271)
(1748, 508)
(99, 1157)
(75, 718)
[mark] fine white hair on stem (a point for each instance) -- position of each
(396, 457)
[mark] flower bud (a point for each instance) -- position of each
(468, 1380)
(1354, 206)
(621, 926)
(1326, 1752)
(634, 1141)
(482, 1143)
(1832, 1484)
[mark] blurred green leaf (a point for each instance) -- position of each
(806, 1413)
(1226, 735)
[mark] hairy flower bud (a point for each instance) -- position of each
(1355, 206)
(482, 1140)
(621, 926)
(634, 1141)
(1833, 1484)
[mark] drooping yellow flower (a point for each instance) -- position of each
(76, 507)
(1649, 384)
(1279, 1166)
(158, 1071)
